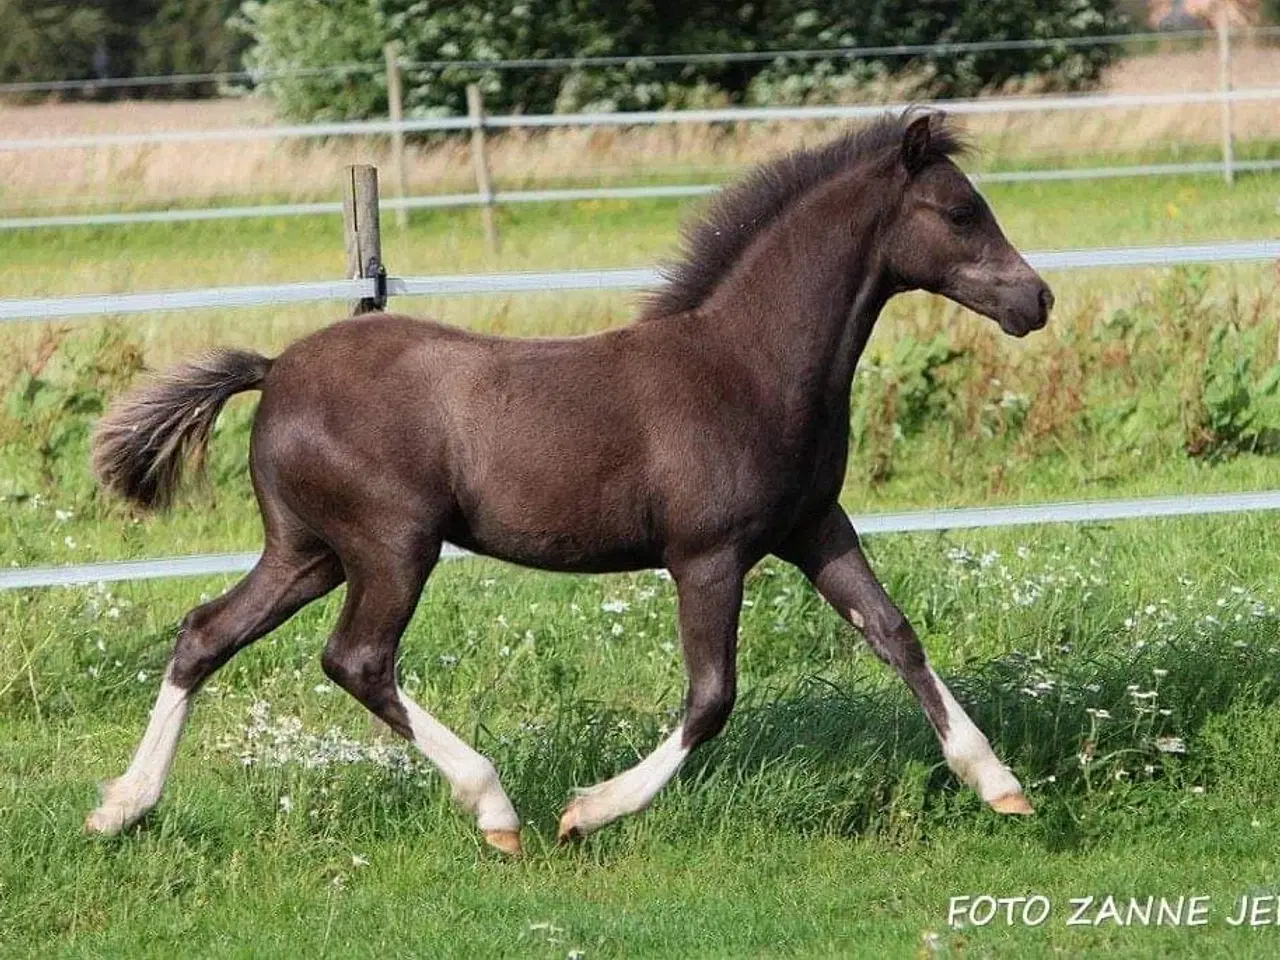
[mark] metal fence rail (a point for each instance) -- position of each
(478, 122)
(555, 281)
(877, 523)
(569, 195)
(994, 105)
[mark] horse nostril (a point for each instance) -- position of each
(1046, 300)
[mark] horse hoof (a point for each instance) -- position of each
(104, 822)
(505, 841)
(570, 828)
(1014, 803)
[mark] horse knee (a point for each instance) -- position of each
(367, 673)
(708, 711)
(895, 642)
(199, 651)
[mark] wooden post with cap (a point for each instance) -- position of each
(480, 161)
(395, 103)
(1224, 82)
(362, 236)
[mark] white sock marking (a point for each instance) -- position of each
(630, 791)
(127, 799)
(471, 775)
(969, 753)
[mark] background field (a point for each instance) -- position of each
(158, 175)
(1127, 672)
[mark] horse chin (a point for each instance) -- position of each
(1019, 323)
(1017, 327)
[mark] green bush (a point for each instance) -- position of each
(293, 34)
(42, 41)
(1236, 410)
(47, 414)
(48, 41)
(188, 36)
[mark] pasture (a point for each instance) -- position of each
(1127, 672)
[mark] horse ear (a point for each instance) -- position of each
(916, 143)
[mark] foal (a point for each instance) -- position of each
(709, 433)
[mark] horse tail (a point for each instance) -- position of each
(142, 444)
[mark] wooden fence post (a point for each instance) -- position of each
(395, 100)
(360, 229)
(480, 161)
(1224, 81)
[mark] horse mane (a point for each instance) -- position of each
(714, 242)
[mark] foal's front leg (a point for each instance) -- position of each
(830, 556)
(709, 593)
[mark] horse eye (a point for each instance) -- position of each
(963, 215)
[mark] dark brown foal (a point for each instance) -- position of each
(711, 432)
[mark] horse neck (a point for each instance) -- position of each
(800, 305)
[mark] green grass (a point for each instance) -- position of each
(559, 236)
(823, 823)
(594, 234)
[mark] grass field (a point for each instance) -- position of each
(822, 824)
(1127, 672)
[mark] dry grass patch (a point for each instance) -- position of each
(203, 173)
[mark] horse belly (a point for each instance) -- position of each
(556, 522)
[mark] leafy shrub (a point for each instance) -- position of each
(935, 74)
(898, 397)
(40, 40)
(292, 34)
(48, 413)
(1180, 370)
(48, 41)
(1236, 409)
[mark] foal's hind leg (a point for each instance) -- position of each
(710, 595)
(830, 556)
(360, 657)
(282, 582)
